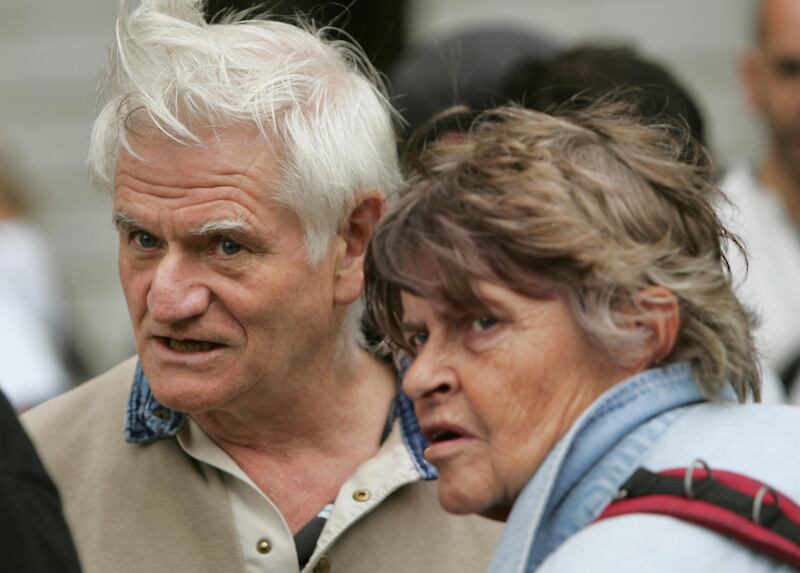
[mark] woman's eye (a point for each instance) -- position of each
(227, 247)
(483, 323)
(144, 240)
(418, 340)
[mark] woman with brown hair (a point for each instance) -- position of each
(558, 288)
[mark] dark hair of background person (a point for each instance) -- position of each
(34, 537)
(466, 68)
(580, 75)
(379, 26)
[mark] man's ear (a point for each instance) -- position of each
(663, 320)
(349, 281)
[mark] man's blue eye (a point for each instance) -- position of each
(145, 240)
(228, 247)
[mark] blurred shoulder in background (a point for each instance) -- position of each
(35, 537)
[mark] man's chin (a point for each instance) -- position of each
(183, 390)
(184, 397)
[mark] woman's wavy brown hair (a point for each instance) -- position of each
(594, 204)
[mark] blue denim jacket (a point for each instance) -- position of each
(146, 420)
(583, 472)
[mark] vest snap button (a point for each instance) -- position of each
(264, 546)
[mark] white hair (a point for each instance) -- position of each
(318, 98)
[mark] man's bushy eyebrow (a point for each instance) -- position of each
(123, 220)
(222, 226)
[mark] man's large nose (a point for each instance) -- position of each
(175, 292)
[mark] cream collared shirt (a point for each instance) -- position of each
(266, 541)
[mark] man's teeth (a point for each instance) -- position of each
(190, 345)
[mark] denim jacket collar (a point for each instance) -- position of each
(146, 421)
(582, 473)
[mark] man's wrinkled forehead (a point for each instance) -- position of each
(221, 150)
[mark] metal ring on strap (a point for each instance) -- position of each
(688, 477)
(758, 501)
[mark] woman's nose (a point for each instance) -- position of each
(430, 376)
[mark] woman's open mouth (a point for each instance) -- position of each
(444, 436)
(445, 440)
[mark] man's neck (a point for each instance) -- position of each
(778, 178)
(300, 454)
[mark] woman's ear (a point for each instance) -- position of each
(662, 319)
(349, 280)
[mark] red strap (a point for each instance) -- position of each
(743, 484)
(716, 517)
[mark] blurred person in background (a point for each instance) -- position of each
(33, 340)
(581, 75)
(249, 161)
(559, 290)
(465, 68)
(766, 194)
(34, 537)
(379, 28)
(578, 76)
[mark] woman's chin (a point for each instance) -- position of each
(465, 500)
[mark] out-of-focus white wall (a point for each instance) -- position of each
(50, 57)
(51, 53)
(699, 40)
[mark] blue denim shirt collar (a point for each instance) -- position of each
(147, 420)
(582, 473)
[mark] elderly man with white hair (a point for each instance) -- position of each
(249, 162)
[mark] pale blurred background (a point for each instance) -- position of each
(51, 53)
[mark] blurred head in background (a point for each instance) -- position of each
(581, 75)
(576, 78)
(772, 80)
(465, 68)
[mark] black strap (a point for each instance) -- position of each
(644, 482)
(305, 540)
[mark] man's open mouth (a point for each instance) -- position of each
(188, 345)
